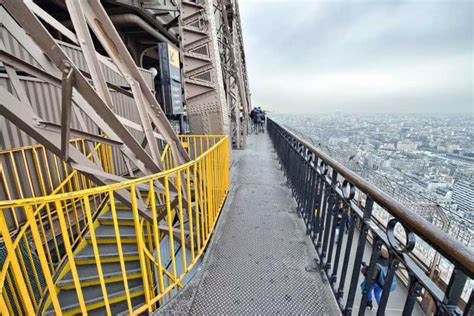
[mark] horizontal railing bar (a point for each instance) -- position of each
(452, 249)
(410, 264)
(114, 186)
(373, 221)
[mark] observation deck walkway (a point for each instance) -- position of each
(287, 205)
(259, 260)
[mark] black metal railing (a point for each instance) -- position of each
(337, 207)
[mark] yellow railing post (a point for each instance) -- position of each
(95, 249)
(3, 306)
(42, 258)
(197, 207)
(208, 192)
(156, 236)
(20, 282)
(123, 269)
(181, 220)
(70, 255)
(190, 214)
(140, 243)
(202, 188)
(170, 227)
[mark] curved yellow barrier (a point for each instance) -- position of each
(63, 225)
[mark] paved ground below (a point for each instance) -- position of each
(259, 258)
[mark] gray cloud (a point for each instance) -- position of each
(385, 56)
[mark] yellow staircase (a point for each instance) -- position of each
(111, 268)
(79, 250)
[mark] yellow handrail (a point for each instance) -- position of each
(183, 222)
(103, 189)
(67, 179)
(20, 231)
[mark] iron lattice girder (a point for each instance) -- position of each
(59, 60)
(20, 113)
(50, 78)
(202, 76)
(237, 92)
(49, 46)
(96, 104)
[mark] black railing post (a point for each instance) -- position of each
(325, 189)
(313, 203)
(370, 277)
(330, 197)
(310, 190)
(453, 292)
(369, 204)
(394, 263)
(345, 264)
(335, 216)
(413, 293)
(342, 227)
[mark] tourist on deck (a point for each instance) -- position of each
(263, 119)
(257, 120)
(253, 127)
(378, 280)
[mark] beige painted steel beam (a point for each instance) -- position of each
(94, 101)
(22, 116)
(237, 97)
(94, 105)
(206, 105)
(66, 110)
(105, 31)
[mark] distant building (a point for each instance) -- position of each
(441, 148)
(406, 146)
(463, 193)
(389, 146)
(387, 164)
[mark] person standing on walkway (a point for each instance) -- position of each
(258, 120)
(253, 127)
(262, 123)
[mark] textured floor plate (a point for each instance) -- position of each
(259, 258)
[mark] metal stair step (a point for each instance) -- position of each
(123, 215)
(93, 295)
(120, 308)
(108, 232)
(88, 273)
(107, 252)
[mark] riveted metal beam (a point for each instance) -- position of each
(206, 105)
(66, 110)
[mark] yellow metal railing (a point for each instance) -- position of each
(184, 202)
(31, 171)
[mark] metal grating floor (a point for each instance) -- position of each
(258, 259)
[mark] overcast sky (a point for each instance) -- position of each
(360, 56)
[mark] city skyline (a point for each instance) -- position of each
(425, 162)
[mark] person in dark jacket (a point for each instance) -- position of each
(262, 123)
(378, 280)
(257, 121)
(252, 120)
